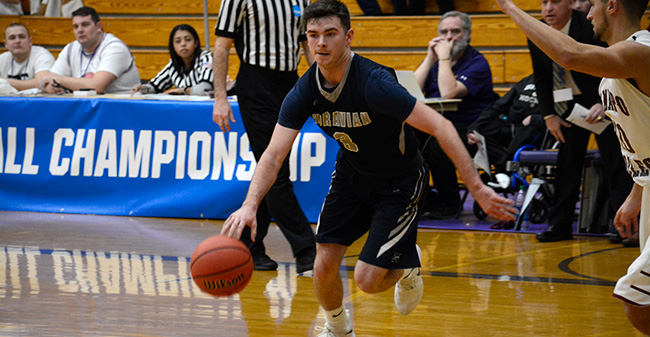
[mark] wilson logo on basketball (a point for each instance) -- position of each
(221, 284)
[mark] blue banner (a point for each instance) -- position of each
(140, 158)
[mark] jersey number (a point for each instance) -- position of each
(347, 142)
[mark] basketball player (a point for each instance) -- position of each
(380, 174)
(625, 93)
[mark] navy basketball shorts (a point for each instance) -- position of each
(386, 209)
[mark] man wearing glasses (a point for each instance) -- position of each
(452, 69)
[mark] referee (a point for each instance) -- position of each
(267, 37)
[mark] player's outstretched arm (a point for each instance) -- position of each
(265, 175)
(431, 122)
(581, 57)
(551, 41)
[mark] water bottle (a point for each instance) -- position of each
(526, 220)
(519, 203)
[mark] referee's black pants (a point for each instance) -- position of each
(260, 93)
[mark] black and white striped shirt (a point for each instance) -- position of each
(266, 32)
(168, 77)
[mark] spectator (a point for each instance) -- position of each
(57, 8)
(95, 60)
(269, 54)
(513, 121)
(370, 7)
(574, 140)
(417, 7)
(380, 174)
(24, 65)
(445, 6)
(404, 7)
(14, 7)
(582, 5)
(453, 69)
(189, 71)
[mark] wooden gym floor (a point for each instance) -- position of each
(87, 275)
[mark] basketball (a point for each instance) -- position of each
(221, 265)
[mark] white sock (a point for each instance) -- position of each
(337, 318)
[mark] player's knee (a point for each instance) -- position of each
(369, 280)
(326, 268)
(366, 286)
(322, 269)
(639, 317)
(364, 283)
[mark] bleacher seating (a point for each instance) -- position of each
(172, 7)
(396, 41)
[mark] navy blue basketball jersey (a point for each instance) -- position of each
(365, 113)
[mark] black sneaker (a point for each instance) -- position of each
(305, 261)
(264, 262)
(553, 236)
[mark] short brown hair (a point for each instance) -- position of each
(16, 24)
(325, 8)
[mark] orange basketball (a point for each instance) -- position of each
(221, 266)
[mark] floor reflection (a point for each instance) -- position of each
(81, 275)
(35, 277)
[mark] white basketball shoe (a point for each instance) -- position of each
(409, 289)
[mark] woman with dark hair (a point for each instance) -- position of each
(189, 71)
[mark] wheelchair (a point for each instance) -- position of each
(529, 165)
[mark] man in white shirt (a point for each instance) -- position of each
(95, 60)
(24, 66)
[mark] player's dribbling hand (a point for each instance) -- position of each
(495, 205)
(234, 225)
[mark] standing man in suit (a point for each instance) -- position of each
(267, 37)
(570, 88)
